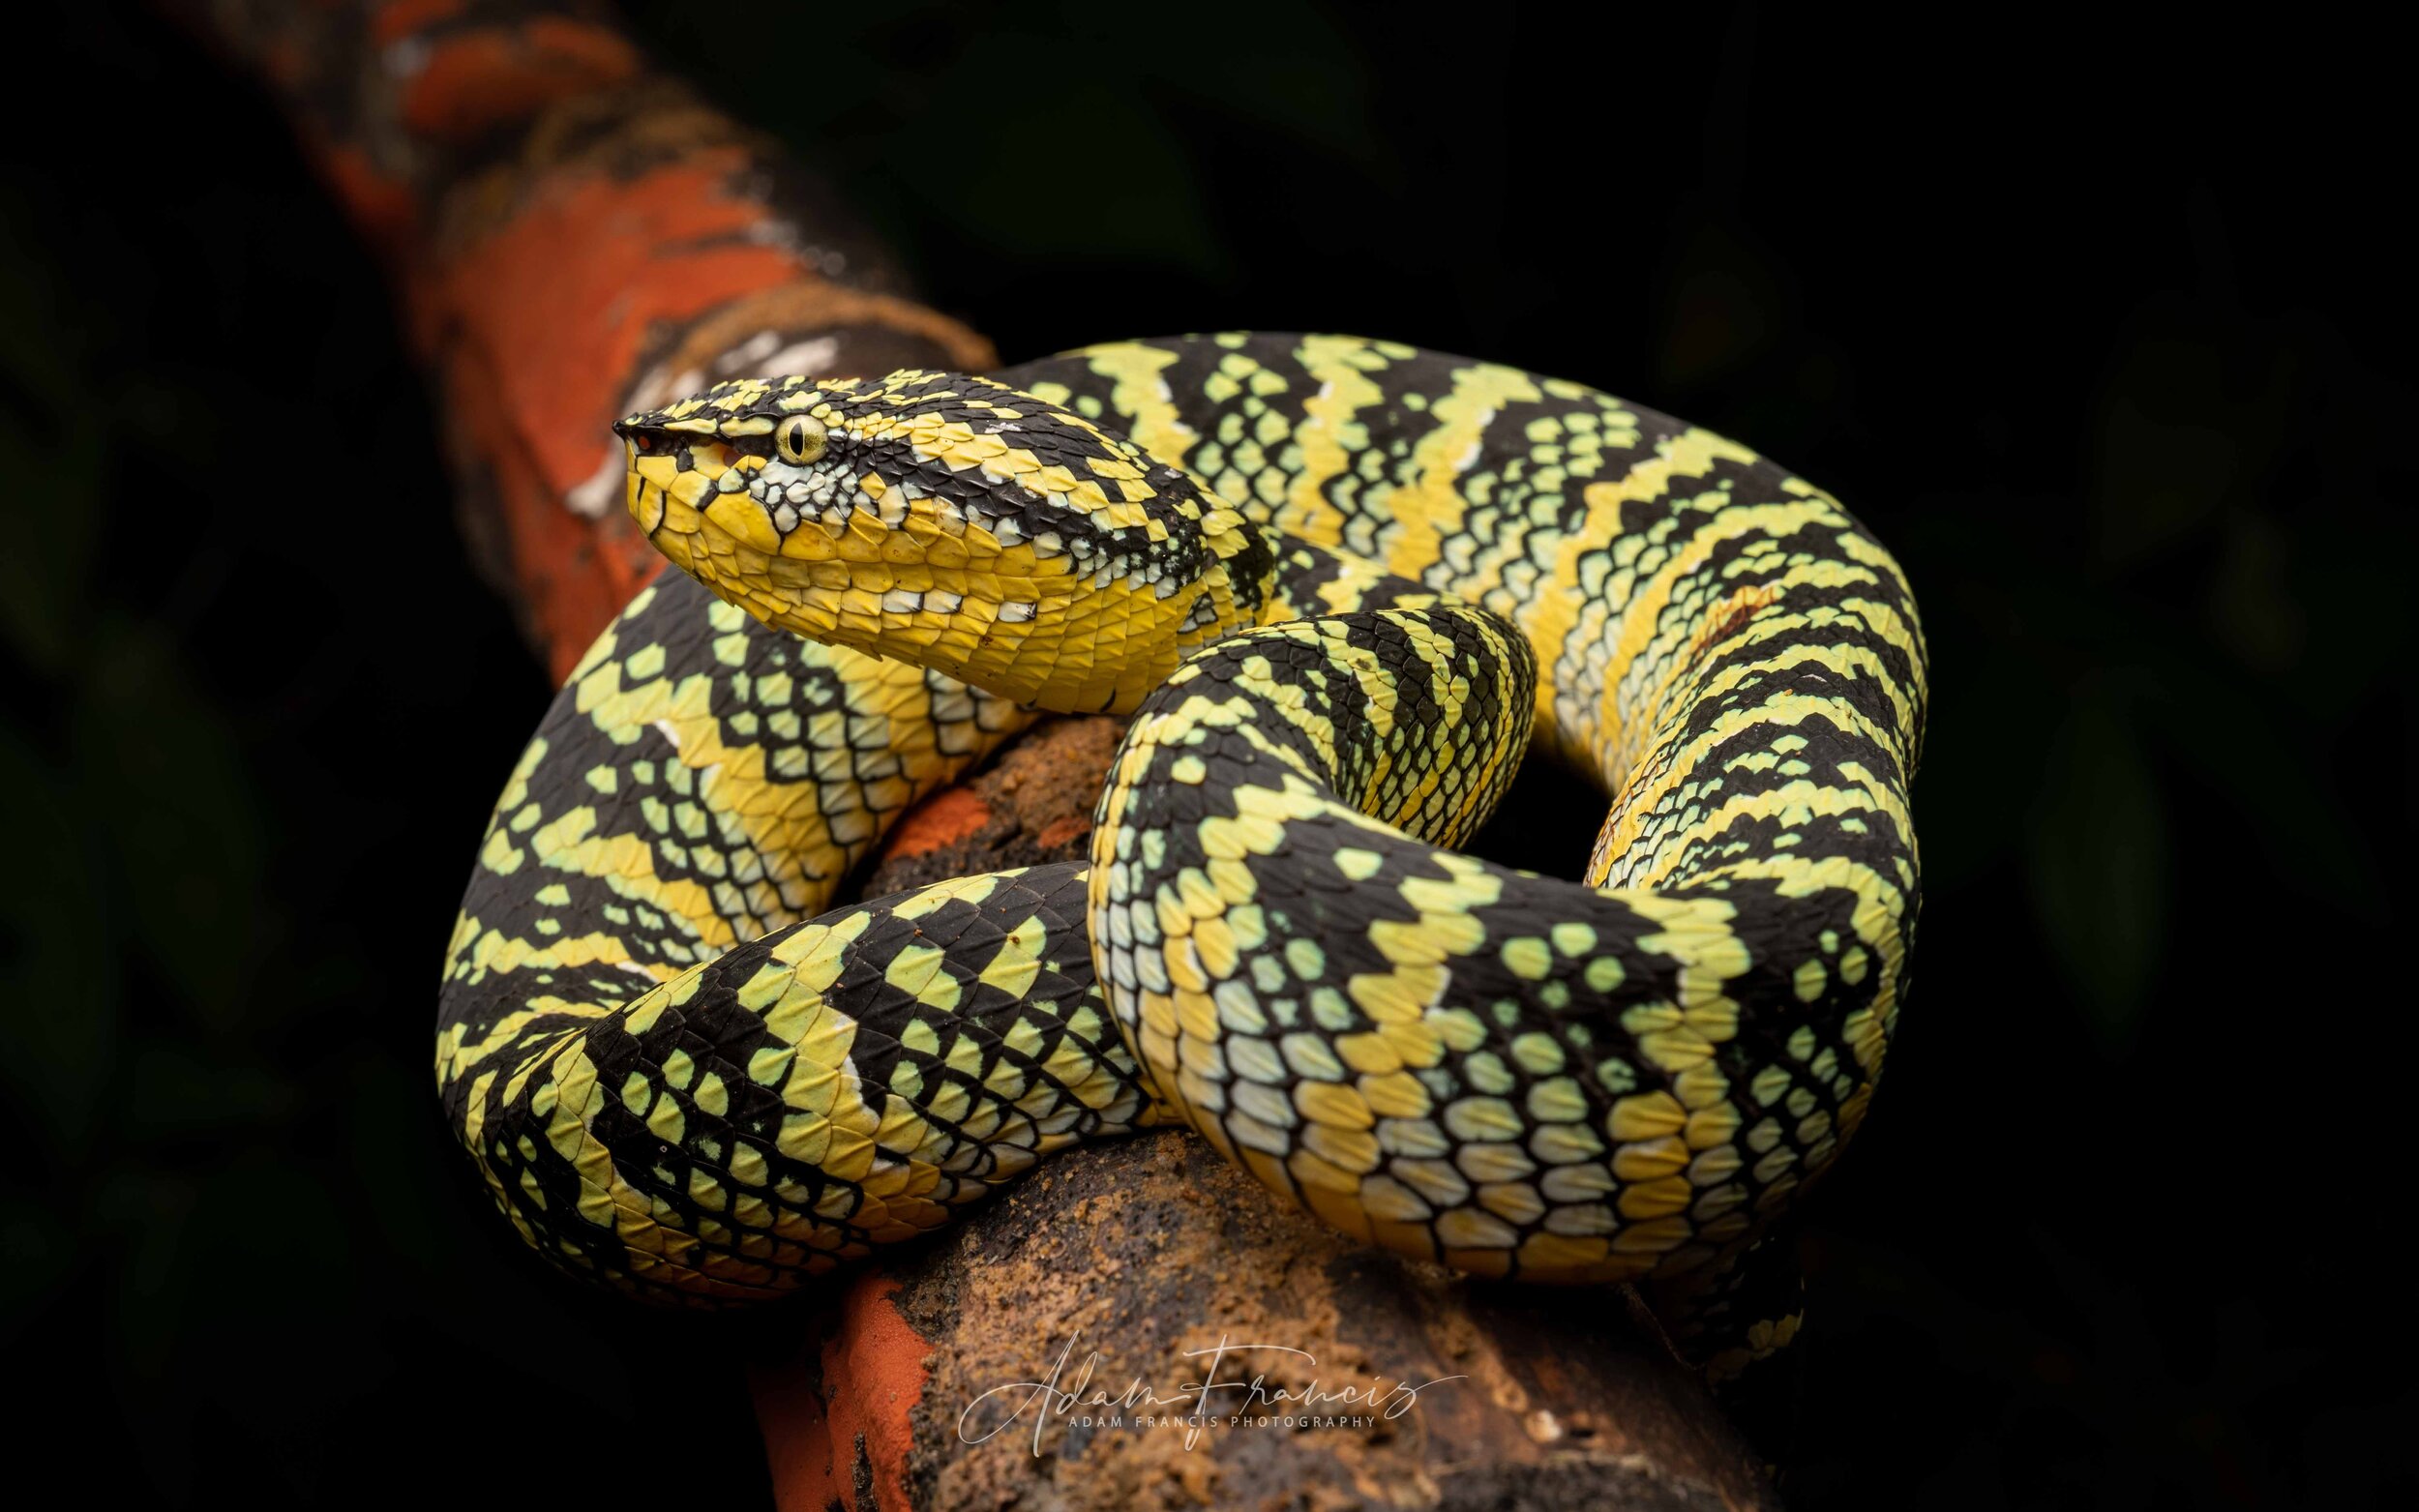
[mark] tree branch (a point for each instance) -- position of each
(574, 236)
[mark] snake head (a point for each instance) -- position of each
(950, 522)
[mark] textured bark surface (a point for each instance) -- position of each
(574, 236)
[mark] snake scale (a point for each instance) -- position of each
(1344, 585)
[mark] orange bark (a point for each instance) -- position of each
(813, 1439)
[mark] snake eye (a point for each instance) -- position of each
(799, 439)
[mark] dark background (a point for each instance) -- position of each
(2101, 331)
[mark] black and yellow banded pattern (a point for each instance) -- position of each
(1345, 584)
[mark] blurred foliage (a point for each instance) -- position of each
(2117, 366)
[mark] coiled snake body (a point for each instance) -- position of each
(1341, 580)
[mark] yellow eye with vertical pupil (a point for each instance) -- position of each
(799, 439)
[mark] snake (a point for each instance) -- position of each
(1343, 587)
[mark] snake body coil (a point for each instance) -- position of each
(1342, 582)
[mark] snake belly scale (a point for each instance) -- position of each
(1345, 585)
